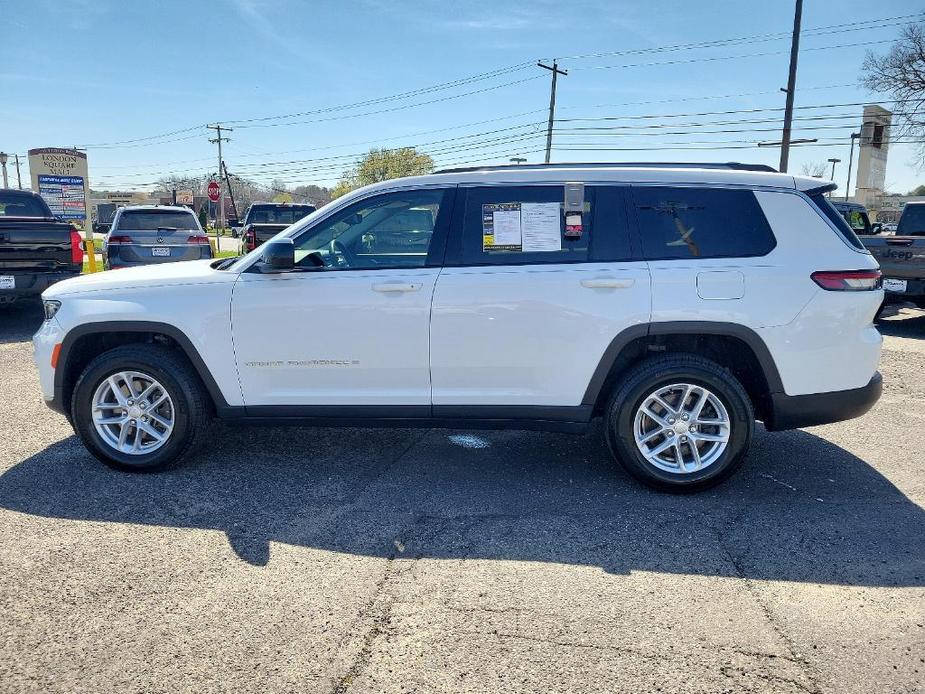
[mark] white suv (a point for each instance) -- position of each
(679, 302)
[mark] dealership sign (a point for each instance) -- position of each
(60, 177)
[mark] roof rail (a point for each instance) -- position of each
(734, 165)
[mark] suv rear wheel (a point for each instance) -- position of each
(139, 407)
(679, 423)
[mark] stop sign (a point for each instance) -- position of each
(213, 191)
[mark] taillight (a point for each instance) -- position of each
(198, 238)
(119, 241)
(250, 240)
(77, 249)
(848, 280)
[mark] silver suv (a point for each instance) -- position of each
(147, 234)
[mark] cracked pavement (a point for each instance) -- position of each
(352, 560)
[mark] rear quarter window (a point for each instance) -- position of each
(684, 223)
(844, 229)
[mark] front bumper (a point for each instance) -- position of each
(49, 334)
(796, 411)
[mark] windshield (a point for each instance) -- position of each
(152, 220)
(20, 205)
(273, 214)
(912, 222)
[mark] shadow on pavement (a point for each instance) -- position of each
(20, 320)
(802, 509)
(902, 320)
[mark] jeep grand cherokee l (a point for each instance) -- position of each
(679, 303)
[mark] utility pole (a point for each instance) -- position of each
(3, 158)
(18, 179)
(854, 136)
(552, 102)
(230, 191)
(221, 191)
(791, 87)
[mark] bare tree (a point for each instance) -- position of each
(816, 169)
(900, 74)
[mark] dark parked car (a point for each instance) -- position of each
(856, 216)
(902, 257)
(146, 234)
(264, 220)
(36, 249)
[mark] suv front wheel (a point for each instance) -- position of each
(679, 423)
(139, 407)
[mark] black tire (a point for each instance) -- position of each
(173, 372)
(646, 378)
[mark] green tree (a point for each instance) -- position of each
(382, 165)
(919, 191)
(203, 218)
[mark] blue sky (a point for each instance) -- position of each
(103, 73)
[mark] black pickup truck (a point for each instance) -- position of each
(264, 220)
(902, 257)
(36, 249)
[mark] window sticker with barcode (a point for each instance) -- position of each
(527, 227)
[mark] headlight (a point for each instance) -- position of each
(51, 308)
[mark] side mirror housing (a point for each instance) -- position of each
(277, 256)
(876, 228)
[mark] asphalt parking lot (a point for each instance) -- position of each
(344, 560)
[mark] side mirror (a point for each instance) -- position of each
(876, 228)
(278, 256)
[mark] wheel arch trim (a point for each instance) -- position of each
(712, 328)
(106, 327)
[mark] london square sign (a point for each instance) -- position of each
(60, 177)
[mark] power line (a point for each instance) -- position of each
(862, 25)
(403, 95)
(709, 59)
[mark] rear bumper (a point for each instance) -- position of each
(795, 411)
(117, 257)
(33, 283)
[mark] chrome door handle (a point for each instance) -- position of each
(608, 283)
(396, 287)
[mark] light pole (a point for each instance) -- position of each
(854, 136)
(833, 161)
(3, 157)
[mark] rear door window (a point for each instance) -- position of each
(523, 225)
(684, 223)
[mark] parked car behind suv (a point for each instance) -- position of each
(902, 256)
(36, 249)
(856, 216)
(264, 220)
(148, 234)
(678, 303)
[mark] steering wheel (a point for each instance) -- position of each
(342, 256)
